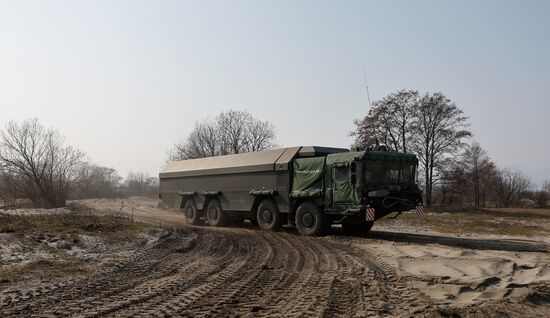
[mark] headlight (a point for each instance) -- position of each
(395, 188)
(378, 193)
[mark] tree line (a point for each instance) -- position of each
(38, 168)
(453, 169)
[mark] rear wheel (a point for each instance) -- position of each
(310, 221)
(215, 215)
(192, 215)
(357, 228)
(268, 216)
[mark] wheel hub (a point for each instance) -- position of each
(267, 216)
(213, 213)
(308, 219)
(190, 213)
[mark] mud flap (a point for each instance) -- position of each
(419, 211)
(370, 214)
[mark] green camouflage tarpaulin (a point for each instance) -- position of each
(344, 191)
(307, 179)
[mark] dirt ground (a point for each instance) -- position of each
(404, 267)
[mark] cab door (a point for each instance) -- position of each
(343, 183)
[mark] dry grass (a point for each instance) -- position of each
(44, 269)
(460, 223)
(80, 221)
(522, 211)
(502, 212)
(66, 226)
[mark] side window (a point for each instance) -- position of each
(374, 171)
(407, 173)
(392, 171)
(341, 174)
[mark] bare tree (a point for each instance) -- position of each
(440, 130)
(201, 142)
(140, 184)
(231, 132)
(479, 168)
(370, 131)
(469, 180)
(94, 181)
(543, 195)
(259, 135)
(510, 185)
(10, 188)
(40, 157)
(454, 187)
(389, 121)
(431, 125)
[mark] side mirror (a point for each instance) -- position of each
(353, 173)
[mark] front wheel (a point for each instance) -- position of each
(310, 221)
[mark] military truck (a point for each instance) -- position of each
(308, 187)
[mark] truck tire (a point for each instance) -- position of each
(268, 216)
(215, 216)
(192, 215)
(357, 228)
(310, 221)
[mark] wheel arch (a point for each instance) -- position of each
(184, 200)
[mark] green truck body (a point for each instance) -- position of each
(310, 187)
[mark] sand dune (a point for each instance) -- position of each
(456, 275)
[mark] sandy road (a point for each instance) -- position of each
(211, 272)
(197, 271)
(238, 272)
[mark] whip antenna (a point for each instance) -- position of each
(367, 87)
(370, 108)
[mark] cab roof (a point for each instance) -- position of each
(390, 155)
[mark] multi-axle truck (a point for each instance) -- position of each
(307, 187)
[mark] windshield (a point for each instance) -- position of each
(392, 171)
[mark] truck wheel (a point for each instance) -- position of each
(268, 216)
(310, 221)
(191, 214)
(357, 228)
(215, 215)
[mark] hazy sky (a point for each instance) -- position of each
(124, 80)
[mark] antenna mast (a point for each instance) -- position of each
(370, 108)
(367, 87)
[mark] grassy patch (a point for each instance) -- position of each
(459, 223)
(78, 221)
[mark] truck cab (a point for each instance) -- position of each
(360, 187)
